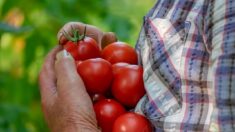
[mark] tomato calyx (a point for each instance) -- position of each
(75, 37)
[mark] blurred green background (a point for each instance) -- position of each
(28, 31)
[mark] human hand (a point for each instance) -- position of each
(65, 102)
(102, 38)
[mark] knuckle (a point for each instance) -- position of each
(69, 23)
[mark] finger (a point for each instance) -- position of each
(68, 81)
(67, 28)
(47, 78)
(91, 31)
(108, 38)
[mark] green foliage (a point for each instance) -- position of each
(24, 45)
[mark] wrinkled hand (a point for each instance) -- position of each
(65, 102)
(102, 38)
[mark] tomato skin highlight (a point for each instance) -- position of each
(128, 86)
(96, 74)
(97, 97)
(83, 49)
(107, 111)
(119, 52)
(118, 66)
(88, 48)
(131, 122)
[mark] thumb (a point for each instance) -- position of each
(108, 38)
(68, 80)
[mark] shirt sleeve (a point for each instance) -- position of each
(220, 36)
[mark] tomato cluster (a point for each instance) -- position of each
(113, 80)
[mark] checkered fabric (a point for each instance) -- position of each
(187, 49)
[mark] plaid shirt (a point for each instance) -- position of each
(187, 49)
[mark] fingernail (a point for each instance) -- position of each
(63, 54)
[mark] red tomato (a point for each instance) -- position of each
(96, 74)
(128, 85)
(83, 49)
(119, 52)
(97, 97)
(107, 111)
(118, 66)
(88, 48)
(131, 122)
(71, 47)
